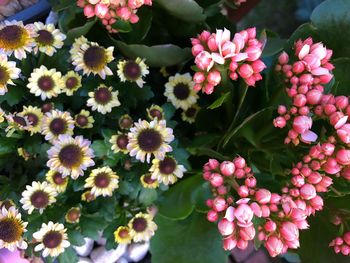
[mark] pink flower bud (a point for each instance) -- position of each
(256, 209)
(274, 246)
(283, 58)
(299, 100)
(306, 79)
(270, 226)
(204, 36)
(289, 231)
(239, 162)
(307, 191)
(250, 182)
(245, 71)
(301, 124)
(226, 227)
(219, 204)
(204, 61)
(229, 243)
(242, 244)
(212, 44)
(275, 198)
(263, 196)
(298, 67)
(331, 166)
(346, 238)
(265, 211)
(214, 77)
(314, 178)
(213, 164)
(196, 49)
(243, 191)
(258, 66)
(216, 179)
(101, 10)
(222, 190)
(247, 233)
(341, 102)
(244, 215)
(208, 88)
(298, 180)
(344, 133)
(317, 202)
(343, 157)
(279, 122)
(124, 13)
(212, 216)
(89, 11)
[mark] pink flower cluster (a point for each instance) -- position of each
(216, 54)
(342, 244)
(109, 11)
(280, 218)
(304, 74)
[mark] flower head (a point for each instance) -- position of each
(70, 156)
(119, 143)
(34, 116)
(83, 120)
(102, 181)
(52, 239)
(155, 111)
(38, 196)
(122, 235)
(56, 123)
(133, 71)
(48, 38)
(150, 138)
(190, 114)
(142, 227)
(8, 72)
(166, 171)
(147, 181)
(12, 228)
(103, 99)
(125, 122)
(73, 215)
(57, 181)
(72, 82)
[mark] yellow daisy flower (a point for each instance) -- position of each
(7, 204)
(91, 58)
(70, 156)
(45, 83)
(52, 238)
(103, 99)
(125, 122)
(122, 235)
(8, 72)
(102, 181)
(119, 143)
(57, 181)
(179, 91)
(133, 71)
(12, 228)
(147, 181)
(55, 123)
(150, 138)
(87, 196)
(155, 112)
(73, 215)
(38, 196)
(190, 114)
(83, 120)
(48, 38)
(16, 38)
(16, 121)
(72, 82)
(34, 116)
(166, 171)
(142, 227)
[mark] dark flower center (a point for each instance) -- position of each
(156, 114)
(82, 120)
(103, 95)
(20, 120)
(70, 155)
(45, 37)
(102, 180)
(125, 123)
(4, 76)
(7, 204)
(71, 82)
(149, 140)
(148, 179)
(181, 91)
(58, 126)
(10, 230)
(94, 58)
(46, 83)
(52, 239)
(124, 233)
(167, 166)
(39, 199)
(89, 196)
(11, 37)
(122, 141)
(139, 224)
(73, 215)
(132, 70)
(191, 112)
(46, 107)
(32, 118)
(58, 179)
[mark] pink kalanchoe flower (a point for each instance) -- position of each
(289, 231)
(226, 227)
(263, 196)
(302, 124)
(244, 215)
(274, 246)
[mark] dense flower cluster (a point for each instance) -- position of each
(305, 74)
(341, 244)
(216, 54)
(110, 11)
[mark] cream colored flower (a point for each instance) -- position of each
(83, 120)
(48, 38)
(147, 181)
(52, 238)
(57, 181)
(73, 215)
(166, 171)
(72, 82)
(70, 156)
(179, 91)
(16, 121)
(45, 83)
(125, 122)
(91, 58)
(8, 72)
(102, 181)
(155, 111)
(190, 114)
(56, 123)
(16, 38)
(119, 143)
(122, 235)
(38, 196)
(149, 138)
(12, 228)
(133, 71)
(34, 116)
(142, 227)
(103, 99)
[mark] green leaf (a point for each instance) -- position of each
(76, 32)
(187, 10)
(147, 196)
(91, 225)
(217, 103)
(156, 56)
(341, 76)
(274, 45)
(76, 238)
(59, 5)
(122, 26)
(100, 148)
(332, 19)
(192, 240)
(7, 146)
(14, 95)
(68, 256)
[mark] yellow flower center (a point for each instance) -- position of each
(11, 230)
(4, 76)
(13, 37)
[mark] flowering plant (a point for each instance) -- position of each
(129, 122)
